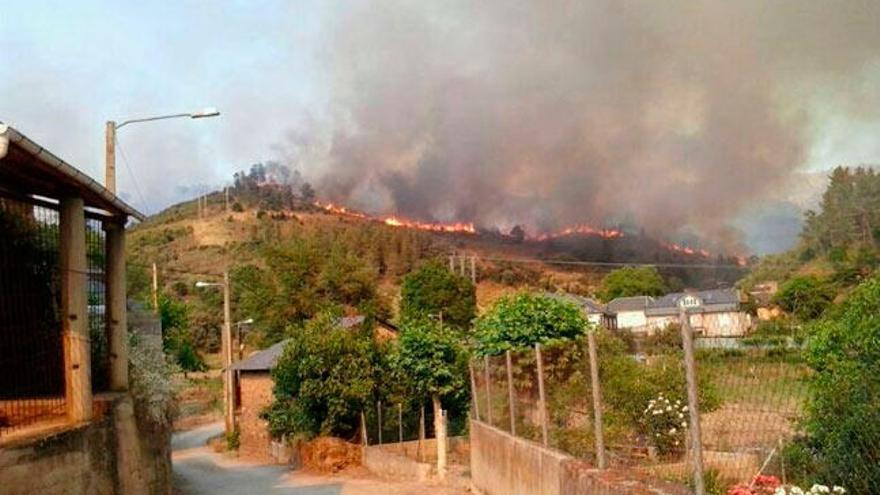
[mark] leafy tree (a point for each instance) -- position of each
(324, 379)
(805, 297)
(173, 313)
(632, 281)
(843, 417)
(433, 289)
(526, 319)
(433, 362)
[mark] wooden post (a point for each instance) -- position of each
(400, 424)
(229, 393)
(364, 439)
(440, 436)
(117, 313)
(474, 270)
(226, 192)
(452, 263)
(461, 260)
(74, 310)
(488, 390)
(541, 395)
(379, 416)
(687, 338)
(475, 401)
(510, 394)
(421, 432)
(598, 424)
(155, 289)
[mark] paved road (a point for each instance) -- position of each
(198, 470)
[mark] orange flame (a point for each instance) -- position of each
(687, 250)
(396, 221)
(581, 229)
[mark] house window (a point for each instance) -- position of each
(689, 302)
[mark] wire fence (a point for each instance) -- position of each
(32, 378)
(31, 351)
(751, 401)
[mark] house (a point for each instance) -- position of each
(630, 312)
(252, 384)
(65, 410)
(712, 313)
(597, 313)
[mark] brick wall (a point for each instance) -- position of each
(256, 395)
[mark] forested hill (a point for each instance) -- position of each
(840, 241)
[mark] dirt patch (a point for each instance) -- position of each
(737, 427)
(329, 455)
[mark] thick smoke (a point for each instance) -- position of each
(673, 116)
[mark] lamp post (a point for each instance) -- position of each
(110, 139)
(226, 344)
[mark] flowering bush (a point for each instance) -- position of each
(665, 423)
(814, 490)
(770, 485)
(760, 485)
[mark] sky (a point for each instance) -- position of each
(377, 102)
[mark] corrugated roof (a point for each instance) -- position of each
(263, 360)
(634, 303)
(37, 172)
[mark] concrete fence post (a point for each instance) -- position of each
(475, 400)
(379, 419)
(542, 397)
(488, 390)
(510, 394)
(598, 424)
(364, 439)
(696, 440)
(400, 424)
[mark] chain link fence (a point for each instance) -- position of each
(751, 400)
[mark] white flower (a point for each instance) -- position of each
(672, 431)
(684, 409)
(817, 488)
(779, 491)
(838, 489)
(668, 408)
(796, 491)
(684, 424)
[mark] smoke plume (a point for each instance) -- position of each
(674, 116)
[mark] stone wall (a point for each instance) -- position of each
(256, 394)
(108, 456)
(502, 464)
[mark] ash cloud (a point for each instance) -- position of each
(674, 116)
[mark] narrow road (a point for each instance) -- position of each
(198, 470)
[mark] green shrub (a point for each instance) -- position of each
(805, 297)
(843, 417)
(433, 289)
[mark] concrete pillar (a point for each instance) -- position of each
(117, 313)
(74, 308)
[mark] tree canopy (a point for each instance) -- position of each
(433, 289)
(525, 319)
(805, 297)
(632, 281)
(430, 359)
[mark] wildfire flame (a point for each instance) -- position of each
(580, 229)
(687, 250)
(396, 221)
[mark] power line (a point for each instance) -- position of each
(131, 174)
(615, 264)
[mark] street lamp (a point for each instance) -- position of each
(110, 139)
(226, 341)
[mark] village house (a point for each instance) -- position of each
(67, 421)
(595, 312)
(630, 312)
(712, 313)
(253, 391)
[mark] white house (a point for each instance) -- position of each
(630, 311)
(712, 313)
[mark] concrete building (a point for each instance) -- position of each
(630, 312)
(712, 313)
(67, 422)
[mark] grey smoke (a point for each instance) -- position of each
(676, 115)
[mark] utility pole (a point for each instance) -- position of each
(227, 358)
(110, 156)
(155, 288)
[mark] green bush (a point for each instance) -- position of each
(323, 380)
(632, 281)
(843, 417)
(805, 297)
(526, 319)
